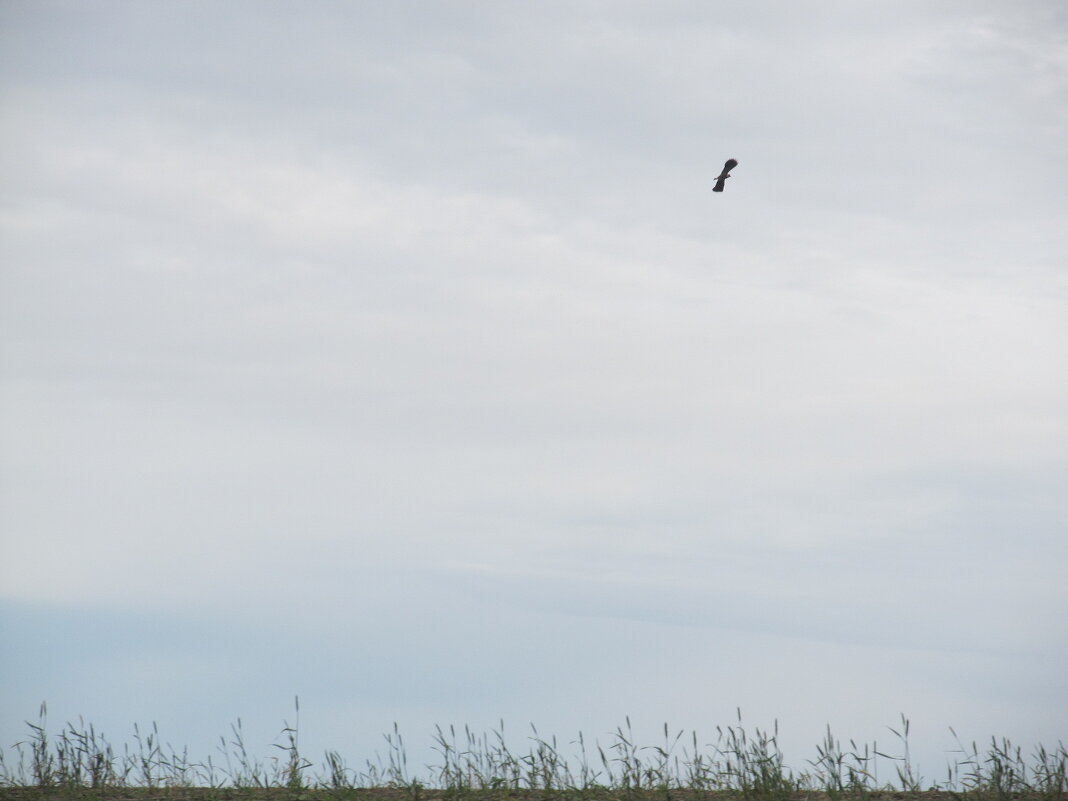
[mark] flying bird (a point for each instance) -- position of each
(723, 176)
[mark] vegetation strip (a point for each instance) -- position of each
(79, 763)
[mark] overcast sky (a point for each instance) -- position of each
(398, 355)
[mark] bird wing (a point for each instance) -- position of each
(730, 165)
(720, 183)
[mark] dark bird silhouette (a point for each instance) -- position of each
(723, 176)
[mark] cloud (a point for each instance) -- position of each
(426, 348)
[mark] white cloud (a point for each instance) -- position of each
(432, 336)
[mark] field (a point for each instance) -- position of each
(387, 794)
(77, 762)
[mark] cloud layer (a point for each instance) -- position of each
(401, 357)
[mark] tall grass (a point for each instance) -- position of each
(78, 759)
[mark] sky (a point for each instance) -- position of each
(399, 357)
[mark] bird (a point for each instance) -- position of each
(723, 176)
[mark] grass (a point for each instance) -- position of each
(77, 762)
